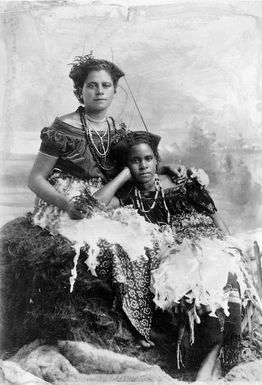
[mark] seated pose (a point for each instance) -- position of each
(138, 152)
(190, 212)
(74, 160)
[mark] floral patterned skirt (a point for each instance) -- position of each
(131, 280)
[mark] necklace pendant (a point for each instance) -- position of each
(98, 156)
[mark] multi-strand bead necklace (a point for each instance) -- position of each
(88, 129)
(158, 191)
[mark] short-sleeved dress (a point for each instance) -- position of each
(77, 175)
(78, 172)
(36, 261)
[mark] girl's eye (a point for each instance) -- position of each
(91, 85)
(134, 160)
(107, 85)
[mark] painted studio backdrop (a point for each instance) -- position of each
(195, 70)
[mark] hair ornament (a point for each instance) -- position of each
(79, 60)
(83, 65)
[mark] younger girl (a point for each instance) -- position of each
(191, 272)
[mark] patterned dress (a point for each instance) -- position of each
(131, 280)
(36, 261)
(190, 207)
(76, 173)
(41, 259)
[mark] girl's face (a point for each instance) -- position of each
(98, 91)
(142, 163)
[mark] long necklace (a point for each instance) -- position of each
(158, 190)
(140, 203)
(90, 130)
(97, 155)
(97, 121)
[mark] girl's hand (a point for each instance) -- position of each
(73, 212)
(180, 171)
(126, 174)
(178, 174)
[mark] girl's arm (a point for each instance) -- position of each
(220, 223)
(177, 173)
(107, 193)
(39, 184)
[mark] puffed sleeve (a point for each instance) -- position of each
(53, 142)
(200, 199)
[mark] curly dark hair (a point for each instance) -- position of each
(83, 65)
(120, 148)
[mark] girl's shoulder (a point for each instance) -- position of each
(192, 194)
(166, 181)
(72, 119)
(72, 122)
(61, 133)
(117, 125)
(68, 124)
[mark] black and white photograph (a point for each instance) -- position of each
(130, 192)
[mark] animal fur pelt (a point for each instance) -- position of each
(80, 363)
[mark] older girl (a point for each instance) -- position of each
(76, 148)
(74, 160)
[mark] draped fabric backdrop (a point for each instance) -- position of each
(195, 69)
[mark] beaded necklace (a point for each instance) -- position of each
(97, 154)
(91, 120)
(90, 130)
(158, 190)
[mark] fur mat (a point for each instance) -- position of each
(79, 363)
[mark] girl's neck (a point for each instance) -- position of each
(96, 116)
(146, 187)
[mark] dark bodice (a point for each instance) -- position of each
(69, 144)
(191, 197)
